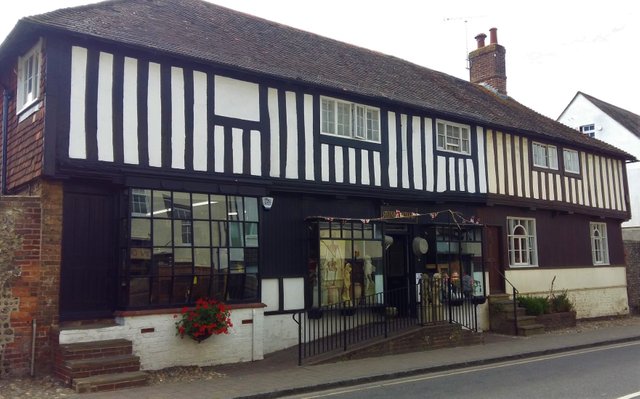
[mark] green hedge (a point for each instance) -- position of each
(534, 305)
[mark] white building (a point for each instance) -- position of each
(615, 126)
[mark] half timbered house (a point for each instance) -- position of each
(178, 149)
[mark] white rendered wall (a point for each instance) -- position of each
(595, 291)
(582, 112)
(161, 348)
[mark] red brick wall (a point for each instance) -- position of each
(25, 138)
(37, 288)
(488, 66)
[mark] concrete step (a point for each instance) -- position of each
(86, 350)
(81, 368)
(530, 329)
(110, 382)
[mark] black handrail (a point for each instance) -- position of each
(339, 326)
(515, 301)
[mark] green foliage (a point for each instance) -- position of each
(534, 305)
(561, 303)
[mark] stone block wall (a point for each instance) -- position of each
(34, 294)
(632, 253)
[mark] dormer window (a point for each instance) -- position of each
(28, 79)
(545, 156)
(350, 120)
(589, 130)
(453, 137)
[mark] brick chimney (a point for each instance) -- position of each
(487, 63)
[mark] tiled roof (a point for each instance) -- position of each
(628, 119)
(214, 34)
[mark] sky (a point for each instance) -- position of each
(553, 48)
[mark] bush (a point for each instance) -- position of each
(534, 305)
(561, 303)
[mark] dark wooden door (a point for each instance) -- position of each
(397, 275)
(89, 267)
(493, 259)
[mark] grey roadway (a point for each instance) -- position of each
(276, 378)
(611, 371)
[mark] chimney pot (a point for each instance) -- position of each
(493, 36)
(480, 39)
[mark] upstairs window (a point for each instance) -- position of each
(571, 161)
(454, 137)
(351, 120)
(545, 156)
(28, 78)
(522, 242)
(599, 244)
(589, 130)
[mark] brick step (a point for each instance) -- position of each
(110, 382)
(86, 350)
(80, 368)
(530, 329)
(523, 320)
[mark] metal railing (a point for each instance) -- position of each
(341, 326)
(515, 300)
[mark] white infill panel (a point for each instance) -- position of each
(256, 153)
(559, 188)
(200, 125)
(393, 160)
(237, 150)
(154, 116)
(291, 169)
(237, 99)
(534, 180)
(442, 174)
(525, 165)
(428, 141)
(339, 164)
(461, 175)
(377, 174)
(452, 174)
(293, 293)
(364, 178)
(405, 151)
(491, 164)
(218, 144)
(274, 126)
(510, 173)
(518, 178)
(416, 150)
(105, 107)
(482, 171)
(270, 295)
(324, 161)
(352, 165)
(77, 135)
(598, 175)
(130, 111)
(471, 177)
(308, 138)
(500, 156)
(177, 118)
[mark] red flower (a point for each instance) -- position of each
(208, 317)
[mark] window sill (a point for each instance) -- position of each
(28, 109)
(462, 154)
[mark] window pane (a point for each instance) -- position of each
(328, 116)
(202, 259)
(161, 204)
(373, 125)
(182, 234)
(236, 209)
(359, 122)
(219, 207)
(344, 119)
(141, 231)
(236, 260)
(201, 234)
(219, 230)
(201, 206)
(183, 261)
(162, 233)
(251, 209)
(140, 202)
(236, 236)
(251, 234)
(181, 205)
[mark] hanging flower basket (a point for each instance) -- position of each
(209, 317)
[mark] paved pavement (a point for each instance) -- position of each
(279, 374)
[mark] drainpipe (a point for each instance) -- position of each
(5, 119)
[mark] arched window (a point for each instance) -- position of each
(599, 244)
(522, 242)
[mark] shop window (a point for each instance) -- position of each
(346, 263)
(182, 246)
